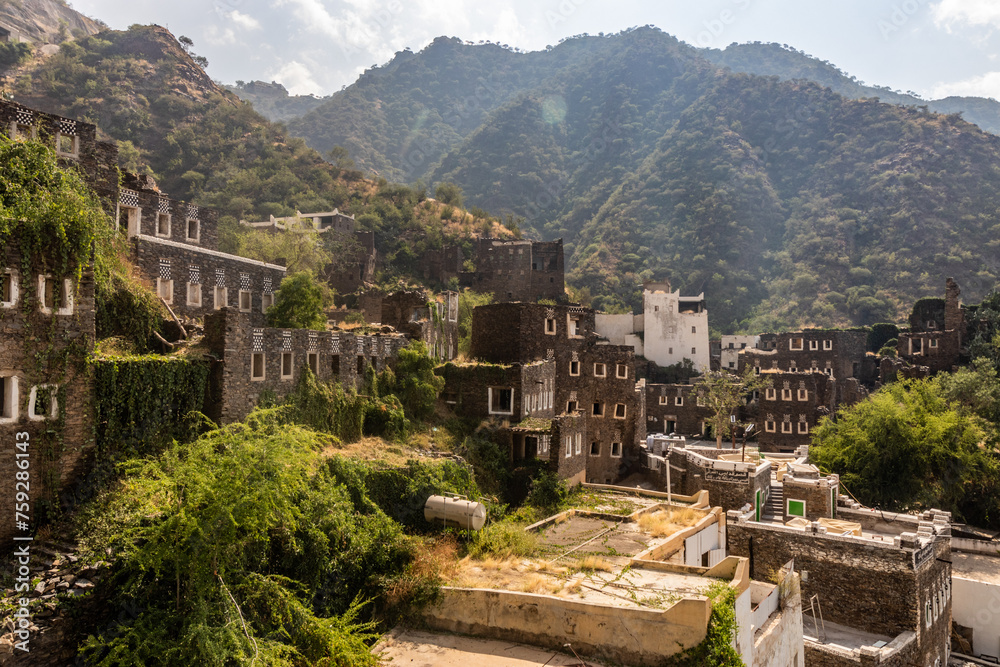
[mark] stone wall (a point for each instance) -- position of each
(673, 408)
(731, 485)
(163, 260)
(42, 356)
(792, 407)
(433, 320)
(518, 270)
(164, 218)
(837, 353)
(471, 390)
(235, 385)
(818, 493)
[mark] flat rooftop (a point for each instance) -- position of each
(432, 649)
(977, 567)
(839, 635)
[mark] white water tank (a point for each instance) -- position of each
(457, 512)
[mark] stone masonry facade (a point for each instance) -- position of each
(518, 270)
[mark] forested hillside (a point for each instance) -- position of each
(787, 204)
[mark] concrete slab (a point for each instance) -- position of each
(414, 648)
(976, 567)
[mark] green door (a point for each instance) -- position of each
(757, 506)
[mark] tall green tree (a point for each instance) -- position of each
(724, 392)
(300, 303)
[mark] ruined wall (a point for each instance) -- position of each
(471, 390)
(42, 354)
(518, 270)
(202, 270)
(236, 386)
(156, 215)
(422, 317)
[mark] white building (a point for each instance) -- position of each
(671, 328)
(731, 346)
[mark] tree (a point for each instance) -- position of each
(300, 303)
(724, 392)
(414, 382)
(909, 448)
(467, 302)
(298, 248)
(448, 193)
(340, 157)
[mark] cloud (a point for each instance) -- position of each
(213, 35)
(296, 77)
(984, 85)
(971, 12)
(244, 21)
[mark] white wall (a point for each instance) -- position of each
(614, 327)
(976, 605)
(669, 338)
(731, 356)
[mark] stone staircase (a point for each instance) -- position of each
(774, 509)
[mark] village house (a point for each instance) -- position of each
(518, 270)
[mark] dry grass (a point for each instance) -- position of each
(662, 523)
(372, 449)
(595, 563)
(538, 583)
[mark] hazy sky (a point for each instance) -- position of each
(933, 47)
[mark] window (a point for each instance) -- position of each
(616, 449)
(814, 345)
(769, 426)
(163, 225)
(700, 400)
(756, 370)
(129, 218)
(678, 400)
(595, 449)
(579, 443)
(600, 370)
(165, 289)
(193, 230)
(550, 326)
(598, 410)
(803, 428)
(574, 368)
(43, 402)
(770, 394)
(786, 427)
(361, 364)
(313, 360)
(619, 411)
(731, 346)
(732, 364)
(22, 131)
(569, 446)
(335, 365)
(795, 344)
(257, 366)
(572, 324)
(266, 301)
(827, 344)
(786, 394)
(663, 400)
(669, 424)
(795, 507)
(8, 288)
(221, 298)
(670, 350)
(803, 394)
(694, 330)
(47, 286)
(194, 294)
(9, 401)
(621, 371)
(792, 368)
(286, 365)
(67, 145)
(245, 301)
(934, 342)
(570, 406)
(693, 351)
(501, 400)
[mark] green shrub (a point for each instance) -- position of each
(502, 540)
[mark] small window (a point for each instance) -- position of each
(266, 301)
(814, 345)
(163, 225)
(934, 342)
(501, 400)
(43, 403)
(756, 370)
(786, 427)
(245, 301)
(8, 288)
(795, 344)
(694, 351)
(595, 449)
(803, 428)
(700, 400)
(621, 371)
(194, 294)
(9, 401)
(598, 410)
(678, 400)
(803, 394)
(221, 297)
(579, 443)
(335, 365)
(619, 411)
(67, 144)
(257, 366)
(313, 359)
(732, 364)
(616, 449)
(663, 400)
(47, 286)
(570, 407)
(694, 330)
(569, 446)
(770, 394)
(795, 507)
(193, 230)
(361, 364)
(670, 350)
(769, 426)
(827, 344)
(574, 368)
(600, 370)
(731, 346)
(828, 371)
(786, 394)
(572, 325)
(792, 368)
(22, 132)
(550, 326)
(129, 219)
(165, 290)
(287, 368)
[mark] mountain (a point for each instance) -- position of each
(272, 100)
(787, 203)
(788, 64)
(46, 21)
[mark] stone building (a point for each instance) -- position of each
(881, 583)
(248, 360)
(518, 270)
(592, 379)
(442, 265)
(672, 327)
(789, 410)
(47, 331)
(937, 332)
(678, 408)
(432, 319)
(729, 356)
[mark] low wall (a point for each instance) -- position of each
(627, 635)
